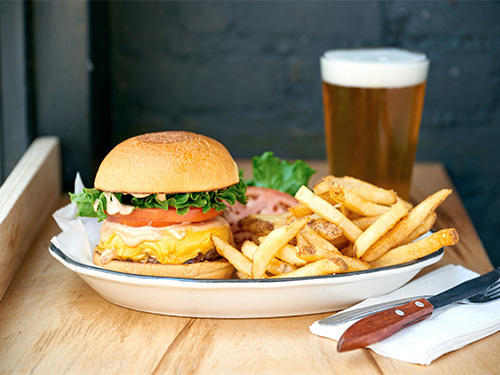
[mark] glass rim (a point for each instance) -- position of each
(419, 56)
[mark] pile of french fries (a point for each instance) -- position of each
(343, 225)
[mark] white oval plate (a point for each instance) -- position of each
(243, 298)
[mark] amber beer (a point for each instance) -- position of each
(373, 100)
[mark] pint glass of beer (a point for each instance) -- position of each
(373, 100)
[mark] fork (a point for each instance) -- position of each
(488, 295)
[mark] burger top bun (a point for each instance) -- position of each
(167, 162)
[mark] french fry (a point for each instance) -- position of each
(352, 182)
(340, 242)
(248, 249)
(300, 210)
(405, 226)
(320, 267)
(323, 185)
(408, 205)
(418, 249)
(422, 229)
(258, 240)
(354, 264)
(364, 189)
(349, 251)
(316, 240)
(364, 222)
(275, 266)
(325, 228)
(311, 253)
(320, 248)
(271, 244)
(322, 189)
(328, 212)
(380, 227)
(327, 197)
(354, 202)
(234, 256)
(377, 195)
(288, 254)
(343, 209)
(301, 241)
(241, 275)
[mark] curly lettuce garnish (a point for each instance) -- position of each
(182, 202)
(272, 172)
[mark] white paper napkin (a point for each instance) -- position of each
(449, 328)
(79, 234)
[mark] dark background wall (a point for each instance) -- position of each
(247, 74)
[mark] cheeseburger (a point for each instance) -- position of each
(159, 197)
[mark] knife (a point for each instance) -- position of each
(356, 314)
(381, 325)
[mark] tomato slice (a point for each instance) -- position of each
(259, 201)
(159, 217)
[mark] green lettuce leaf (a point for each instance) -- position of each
(272, 172)
(85, 202)
(182, 202)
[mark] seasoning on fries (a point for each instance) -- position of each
(342, 225)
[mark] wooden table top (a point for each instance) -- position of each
(51, 321)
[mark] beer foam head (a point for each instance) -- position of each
(374, 67)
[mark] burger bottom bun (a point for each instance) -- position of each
(219, 269)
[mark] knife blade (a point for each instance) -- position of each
(381, 325)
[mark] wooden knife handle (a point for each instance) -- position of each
(381, 325)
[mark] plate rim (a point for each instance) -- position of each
(102, 273)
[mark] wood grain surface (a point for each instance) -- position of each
(27, 198)
(53, 322)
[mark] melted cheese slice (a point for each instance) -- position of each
(174, 244)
